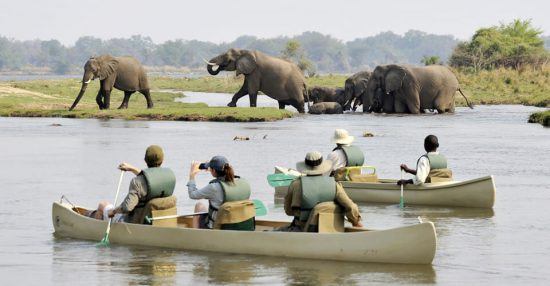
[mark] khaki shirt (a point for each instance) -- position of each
(293, 201)
(136, 192)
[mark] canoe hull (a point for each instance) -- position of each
(383, 246)
(475, 193)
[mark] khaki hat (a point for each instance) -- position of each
(154, 156)
(341, 136)
(314, 164)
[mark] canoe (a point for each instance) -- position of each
(414, 244)
(474, 193)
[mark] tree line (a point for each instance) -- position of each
(513, 45)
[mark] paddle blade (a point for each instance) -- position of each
(261, 209)
(104, 242)
(280, 179)
(401, 203)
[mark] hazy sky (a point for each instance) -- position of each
(224, 20)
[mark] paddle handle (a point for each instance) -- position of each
(116, 199)
(401, 200)
(150, 219)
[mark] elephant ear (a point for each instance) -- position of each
(394, 79)
(246, 63)
(107, 66)
(360, 87)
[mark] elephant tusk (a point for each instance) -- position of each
(86, 81)
(209, 63)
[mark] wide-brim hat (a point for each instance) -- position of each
(314, 164)
(341, 136)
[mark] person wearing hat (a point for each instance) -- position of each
(345, 154)
(216, 192)
(152, 182)
(314, 188)
(430, 167)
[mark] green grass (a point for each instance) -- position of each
(56, 96)
(542, 117)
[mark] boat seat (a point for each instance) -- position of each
(326, 217)
(161, 207)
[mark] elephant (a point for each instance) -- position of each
(277, 78)
(326, 94)
(123, 73)
(406, 89)
(326, 108)
(354, 89)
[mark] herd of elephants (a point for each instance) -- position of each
(389, 88)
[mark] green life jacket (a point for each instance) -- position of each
(315, 190)
(437, 161)
(161, 182)
(239, 190)
(354, 155)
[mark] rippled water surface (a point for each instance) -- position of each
(509, 244)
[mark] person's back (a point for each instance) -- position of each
(344, 155)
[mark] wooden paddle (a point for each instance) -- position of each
(401, 200)
(105, 240)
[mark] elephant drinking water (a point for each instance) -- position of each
(122, 73)
(277, 78)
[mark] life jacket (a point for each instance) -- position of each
(237, 211)
(161, 183)
(354, 155)
(438, 169)
(315, 190)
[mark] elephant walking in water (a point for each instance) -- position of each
(277, 78)
(405, 89)
(122, 73)
(355, 88)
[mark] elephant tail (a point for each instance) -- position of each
(467, 102)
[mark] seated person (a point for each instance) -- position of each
(224, 188)
(315, 188)
(345, 154)
(150, 183)
(430, 167)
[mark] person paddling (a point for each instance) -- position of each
(304, 193)
(225, 187)
(150, 183)
(430, 167)
(345, 154)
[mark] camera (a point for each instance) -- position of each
(202, 166)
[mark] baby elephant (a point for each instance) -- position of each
(326, 94)
(326, 108)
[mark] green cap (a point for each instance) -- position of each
(154, 156)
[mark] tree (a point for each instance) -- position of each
(431, 60)
(293, 52)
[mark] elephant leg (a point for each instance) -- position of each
(106, 99)
(147, 94)
(299, 105)
(399, 107)
(242, 92)
(124, 103)
(253, 98)
(99, 99)
(413, 106)
(281, 105)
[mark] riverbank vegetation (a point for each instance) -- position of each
(52, 98)
(542, 117)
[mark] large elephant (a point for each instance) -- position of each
(326, 108)
(406, 89)
(277, 78)
(354, 89)
(122, 73)
(326, 94)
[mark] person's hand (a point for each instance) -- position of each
(125, 167)
(194, 170)
(357, 224)
(403, 182)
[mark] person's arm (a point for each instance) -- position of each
(208, 192)
(129, 168)
(352, 211)
(405, 168)
(333, 158)
(135, 191)
(422, 171)
(289, 197)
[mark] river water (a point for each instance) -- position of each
(41, 161)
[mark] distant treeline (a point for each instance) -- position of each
(326, 53)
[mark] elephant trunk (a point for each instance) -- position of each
(210, 66)
(80, 94)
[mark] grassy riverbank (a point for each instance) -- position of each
(542, 117)
(52, 98)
